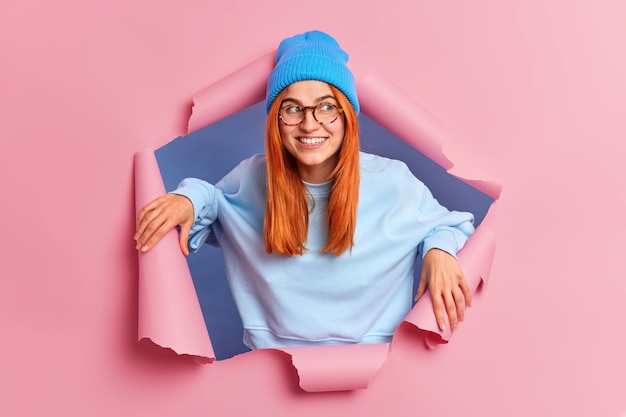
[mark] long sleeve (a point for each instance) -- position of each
(234, 206)
(449, 230)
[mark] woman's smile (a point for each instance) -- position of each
(311, 143)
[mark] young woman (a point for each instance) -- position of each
(319, 239)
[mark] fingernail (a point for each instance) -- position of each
(144, 248)
(136, 236)
(443, 327)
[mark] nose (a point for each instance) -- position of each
(309, 122)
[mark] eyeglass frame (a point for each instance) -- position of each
(304, 109)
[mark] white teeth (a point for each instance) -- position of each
(311, 141)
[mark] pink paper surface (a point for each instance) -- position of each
(393, 109)
(339, 367)
(239, 90)
(532, 94)
(169, 311)
(403, 116)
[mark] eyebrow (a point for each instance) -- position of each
(317, 100)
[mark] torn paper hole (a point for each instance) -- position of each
(359, 363)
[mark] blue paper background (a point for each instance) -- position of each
(213, 151)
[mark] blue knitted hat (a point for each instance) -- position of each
(311, 56)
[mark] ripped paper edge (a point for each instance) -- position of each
(317, 366)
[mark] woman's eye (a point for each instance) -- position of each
(325, 107)
(293, 109)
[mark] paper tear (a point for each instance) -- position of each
(491, 188)
(394, 110)
(476, 259)
(231, 94)
(343, 368)
(167, 295)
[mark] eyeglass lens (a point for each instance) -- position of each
(324, 113)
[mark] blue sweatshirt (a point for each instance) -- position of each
(318, 298)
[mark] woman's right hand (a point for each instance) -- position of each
(157, 218)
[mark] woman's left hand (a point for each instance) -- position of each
(442, 274)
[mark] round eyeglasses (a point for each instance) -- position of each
(323, 113)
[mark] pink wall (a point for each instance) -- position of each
(534, 93)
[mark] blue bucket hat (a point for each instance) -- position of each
(311, 56)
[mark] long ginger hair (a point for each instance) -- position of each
(287, 211)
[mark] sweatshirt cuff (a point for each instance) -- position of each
(444, 240)
(198, 194)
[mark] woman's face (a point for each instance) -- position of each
(314, 146)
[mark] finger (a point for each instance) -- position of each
(145, 210)
(149, 224)
(451, 310)
(183, 239)
(153, 233)
(467, 293)
(146, 217)
(438, 308)
(459, 301)
(158, 229)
